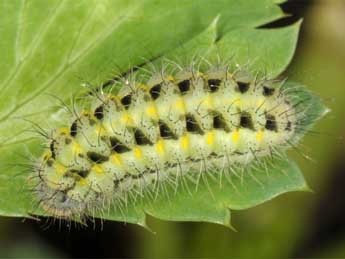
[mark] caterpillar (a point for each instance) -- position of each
(159, 127)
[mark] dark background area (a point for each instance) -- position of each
(292, 225)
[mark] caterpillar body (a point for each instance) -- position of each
(172, 124)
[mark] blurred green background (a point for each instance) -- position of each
(292, 225)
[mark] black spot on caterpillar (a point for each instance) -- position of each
(74, 129)
(155, 91)
(99, 112)
(214, 84)
(246, 121)
(271, 123)
(184, 86)
(126, 101)
(161, 127)
(117, 146)
(267, 91)
(192, 125)
(243, 87)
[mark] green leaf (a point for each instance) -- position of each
(211, 198)
(49, 47)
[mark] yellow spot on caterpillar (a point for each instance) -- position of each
(160, 147)
(185, 142)
(235, 136)
(97, 169)
(142, 86)
(138, 153)
(199, 74)
(115, 98)
(82, 182)
(77, 148)
(170, 78)
(85, 112)
(260, 102)
(237, 101)
(99, 130)
(127, 119)
(260, 135)
(209, 101)
(63, 131)
(151, 111)
(179, 104)
(210, 138)
(116, 159)
(46, 155)
(60, 169)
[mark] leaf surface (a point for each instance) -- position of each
(50, 47)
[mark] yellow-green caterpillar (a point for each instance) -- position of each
(173, 124)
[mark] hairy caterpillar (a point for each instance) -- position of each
(174, 123)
